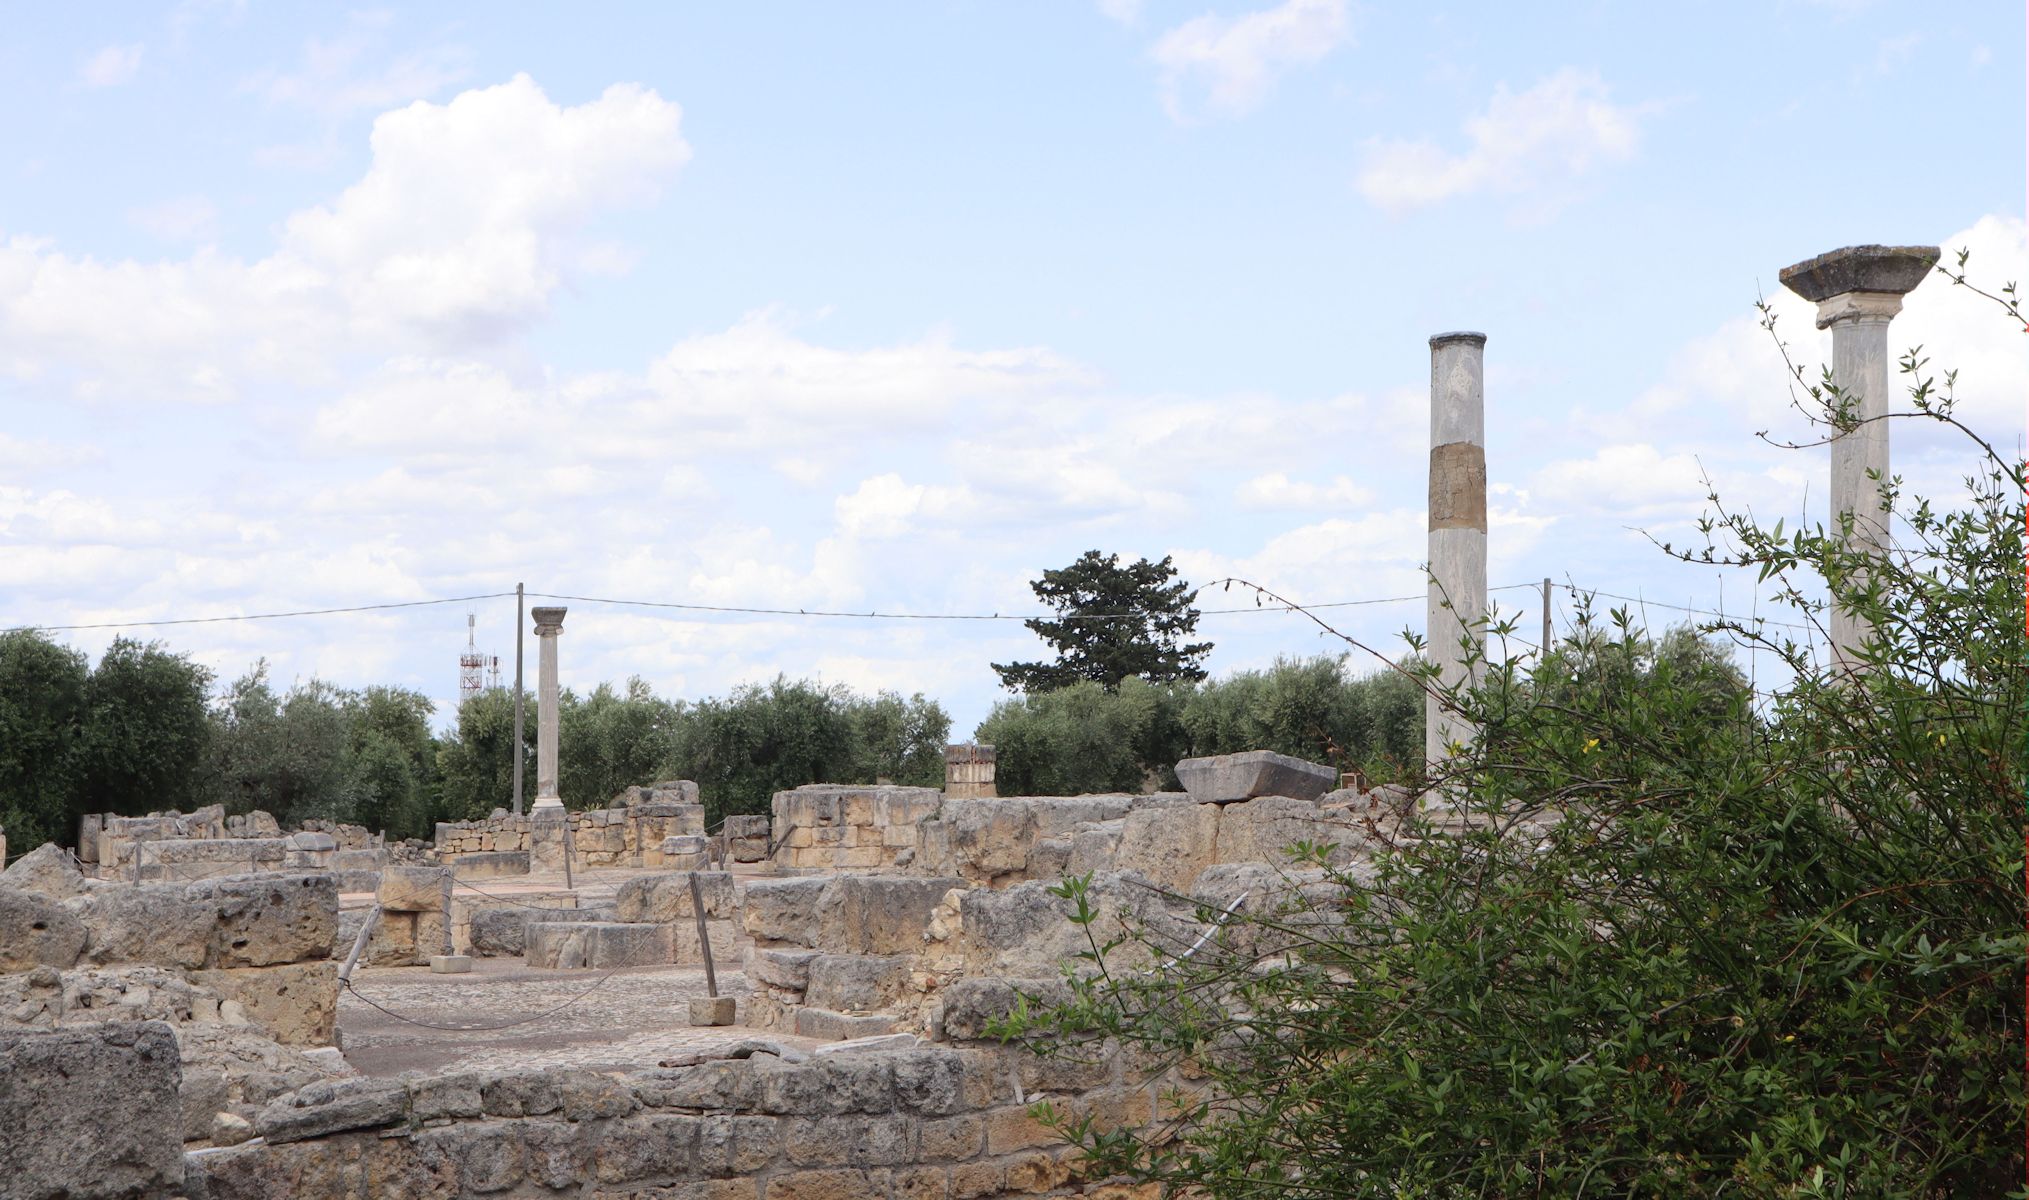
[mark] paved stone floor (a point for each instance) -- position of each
(634, 1019)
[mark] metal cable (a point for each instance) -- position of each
(478, 1028)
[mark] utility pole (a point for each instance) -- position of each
(518, 622)
(1546, 617)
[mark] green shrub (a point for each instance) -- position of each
(1669, 943)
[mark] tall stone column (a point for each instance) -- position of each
(1858, 290)
(1458, 523)
(549, 625)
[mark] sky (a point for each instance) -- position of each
(892, 307)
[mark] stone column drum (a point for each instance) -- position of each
(1858, 290)
(1457, 599)
(549, 624)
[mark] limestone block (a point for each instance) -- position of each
(712, 1010)
(857, 983)
(48, 870)
(333, 1107)
(1025, 932)
(788, 969)
(562, 946)
(261, 920)
(826, 1025)
(359, 860)
(396, 941)
(413, 889)
(783, 910)
(312, 841)
(1263, 830)
(37, 931)
(1171, 845)
(147, 923)
(972, 1003)
(91, 1112)
(1226, 778)
(496, 864)
(877, 914)
(297, 1003)
(724, 935)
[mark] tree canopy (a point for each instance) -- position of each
(1116, 621)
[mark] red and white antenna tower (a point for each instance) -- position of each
(471, 664)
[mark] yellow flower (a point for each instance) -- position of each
(1591, 745)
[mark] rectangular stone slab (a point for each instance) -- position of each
(1227, 778)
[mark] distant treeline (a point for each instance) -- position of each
(144, 730)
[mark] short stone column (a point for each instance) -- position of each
(968, 772)
(1858, 290)
(549, 625)
(1457, 600)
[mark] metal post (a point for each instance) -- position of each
(704, 941)
(518, 622)
(359, 943)
(568, 885)
(1546, 617)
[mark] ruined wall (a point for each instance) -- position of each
(628, 836)
(1169, 837)
(913, 1124)
(849, 827)
(847, 955)
(250, 950)
(204, 844)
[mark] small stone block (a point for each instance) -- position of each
(712, 1010)
(450, 964)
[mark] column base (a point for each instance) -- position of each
(546, 802)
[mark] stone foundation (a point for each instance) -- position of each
(844, 827)
(629, 836)
(915, 1124)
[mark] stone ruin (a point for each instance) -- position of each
(890, 924)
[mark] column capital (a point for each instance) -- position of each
(549, 622)
(1895, 270)
(1858, 308)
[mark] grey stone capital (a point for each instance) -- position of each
(1858, 308)
(549, 622)
(1462, 335)
(1892, 269)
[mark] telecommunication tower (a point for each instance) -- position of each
(471, 664)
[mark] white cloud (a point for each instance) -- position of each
(1125, 12)
(111, 67)
(1630, 480)
(886, 507)
(330, 79)
(178, 219)
(1237, 60)
(1276, 490)
(1529, 144)
(465, 224)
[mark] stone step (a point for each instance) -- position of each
(826, 1025)
(601, 945)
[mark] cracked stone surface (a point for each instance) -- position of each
(637, 1018)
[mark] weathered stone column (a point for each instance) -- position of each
(549, 624)
(1858, 290)
(968, 771)
(1458, 523)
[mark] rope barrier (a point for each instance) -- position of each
(363, 999)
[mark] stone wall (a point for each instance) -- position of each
(845, 956)
(849, 827)
(1170, 838)
(89, 1113)
(932, 1123)
(173, 846)
(627, 836)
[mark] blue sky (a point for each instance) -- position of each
(892, 307)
